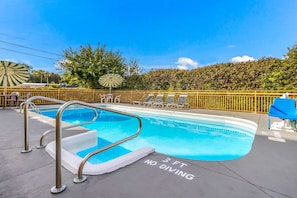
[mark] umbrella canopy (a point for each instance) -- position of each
(12, 74)
(111, 80)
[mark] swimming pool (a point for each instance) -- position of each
(179, 134)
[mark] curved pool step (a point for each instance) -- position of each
(71, 145)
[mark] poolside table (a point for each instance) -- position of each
(109, 98)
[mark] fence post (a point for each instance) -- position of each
(197, 100)
(131, 96)
(58, 94)
(255, 96)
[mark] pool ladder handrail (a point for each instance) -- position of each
(26, 118)
(32, 105)
(58, 188)
(41, 141)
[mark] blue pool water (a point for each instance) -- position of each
(170, 135)
(104, 156)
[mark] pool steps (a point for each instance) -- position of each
(71, 145)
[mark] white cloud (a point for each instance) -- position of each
(180, 67)
(184, 63)
(239, 59)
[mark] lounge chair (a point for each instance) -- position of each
(169, 100)
(181, 102)
(148, 99)
(158, 101)
(283, 108)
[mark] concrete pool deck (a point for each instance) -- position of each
(269, 170)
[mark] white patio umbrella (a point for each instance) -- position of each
(111, 80)
(12, 74)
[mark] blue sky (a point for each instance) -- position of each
(157, 33)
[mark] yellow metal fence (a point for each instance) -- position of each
(243, 101)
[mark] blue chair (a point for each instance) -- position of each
(283, 108)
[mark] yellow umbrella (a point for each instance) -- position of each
(12, 74)
(111, 80)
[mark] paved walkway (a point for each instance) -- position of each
(269, 170)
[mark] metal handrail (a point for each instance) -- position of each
(30, 104)
(59, 187)
(41, 141)
(35, 107)
(26, 124)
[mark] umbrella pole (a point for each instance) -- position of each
(5, 85)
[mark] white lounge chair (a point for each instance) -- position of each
(148, 99)
(158, 101)
(181, 103)
(169, 100)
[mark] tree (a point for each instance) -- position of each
(289, 77)
(133, 79)
(291, 56)
(282, 73)
(87, 64)
(36, 76)
(54, 78)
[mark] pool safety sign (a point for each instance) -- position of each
(171, 166)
